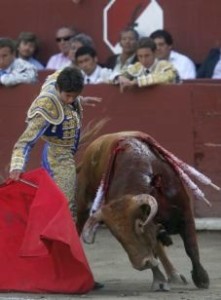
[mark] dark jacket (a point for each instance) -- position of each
(208, 66)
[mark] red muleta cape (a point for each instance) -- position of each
(40, 250)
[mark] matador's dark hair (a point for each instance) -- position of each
(146, 42)
(70, 80)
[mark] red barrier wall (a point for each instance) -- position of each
(184, 118)
(194, 24)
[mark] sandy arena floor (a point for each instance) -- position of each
(111, 266)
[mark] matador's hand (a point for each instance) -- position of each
(15, 175)
(90, 101)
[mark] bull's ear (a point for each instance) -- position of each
(141, 201)
(144, 211)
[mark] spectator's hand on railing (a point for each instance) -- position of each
(126, 83)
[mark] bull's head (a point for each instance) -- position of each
(130, 221)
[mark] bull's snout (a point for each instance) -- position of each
(146, 263)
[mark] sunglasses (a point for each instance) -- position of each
(65, 38)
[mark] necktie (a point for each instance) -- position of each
(147, 71)
(88, 80)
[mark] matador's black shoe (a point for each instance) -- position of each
(98, 285)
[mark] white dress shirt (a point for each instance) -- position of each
(36, 63)
(100, 75)
(217, 70)
(20, 71)
(58, 61)
(183, 64)
(119, 66)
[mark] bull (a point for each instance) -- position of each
(141, 196)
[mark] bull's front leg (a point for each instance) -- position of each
(173, 275)
(159, 280)
(188, 233)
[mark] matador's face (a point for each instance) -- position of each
(68, 97)
(146, 57)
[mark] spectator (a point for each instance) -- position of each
(86, 59)
(61, 60)
(78, 41)
(27, 48)
(14, 70)
(148, 70)
(164, 42)
(128, 42)
(211, 67)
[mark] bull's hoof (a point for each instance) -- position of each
(177, 279)
(160, 286)
(160, 283)
(200, 278)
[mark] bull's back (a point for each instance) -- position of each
(96, 158)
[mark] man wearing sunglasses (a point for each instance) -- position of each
(61, 59)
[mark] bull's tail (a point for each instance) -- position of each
(89, 133)
(91, 130)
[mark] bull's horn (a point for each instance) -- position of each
(149, 200)
(90, 227)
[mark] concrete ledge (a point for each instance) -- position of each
(208, 223)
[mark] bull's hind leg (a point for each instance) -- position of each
(188, 233)
(174, 277)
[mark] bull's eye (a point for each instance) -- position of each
(140, 225)
(139, 229)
